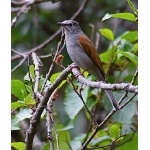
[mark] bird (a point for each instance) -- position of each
(84, 54)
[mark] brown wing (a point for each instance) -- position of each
(89, 48)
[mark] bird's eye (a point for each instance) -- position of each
(70, 24)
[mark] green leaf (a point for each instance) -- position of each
(32, 71)
(80, 137)
(130, 36)
(24, 113)
(18, 145)
(55, 76)
(135, 49)
(126, 16)
(129, 143)
(126, 115)
(32, 74)
(76, 142)
(104, 140)
(130, 56)
(15, 124)
(131, 5)
(26, 77)
(64, 139)
(105, 57)
(69, 126)
(107, 33)
(73, 104)
(18, 89)
(42, 82)
(29, 88)
(125, 46)
(114, 131)
(75, 145)
(29, 100)
(17, 104)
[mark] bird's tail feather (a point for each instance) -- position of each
(112, 100)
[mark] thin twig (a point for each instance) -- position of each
(37, 114)
(24, 9)
(57, 140)
(81, 8)
(18, 4)
(46, 56)
(59, 49)
(132, 82)
(80, 95)
(30, 78)
(98, 127)
(19, 64)
(50, 120)
(97, 40)
(18, 53)
(112, 143)
(92, 31)
(50, 39)
(134, 76)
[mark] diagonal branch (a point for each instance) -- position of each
(21, 62)
(98, 127)
(50, 39)
(18, 4)
(44, 99)
(60, 46)
(37, 114)
(118, 86)
(24, 9)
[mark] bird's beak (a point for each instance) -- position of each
(63, 25)
(60, 23)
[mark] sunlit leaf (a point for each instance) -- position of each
(55, 76)
(114, 131)
(18, 145)
(107, 33)
(130, 36)
(130, 56)
(131, 5)
(18, 89)
(126, 16)
(29, 100)
(17, 104)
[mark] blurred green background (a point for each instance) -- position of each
(40, 22)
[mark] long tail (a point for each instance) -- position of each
(112, 100)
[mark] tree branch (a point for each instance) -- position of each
(18, 4)
(21, 62)
(98, 127)
(37, 64)
(24, 9)
(60, 46)
(50, 120)
(37, 114)
(50, 39)
(118, 86)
